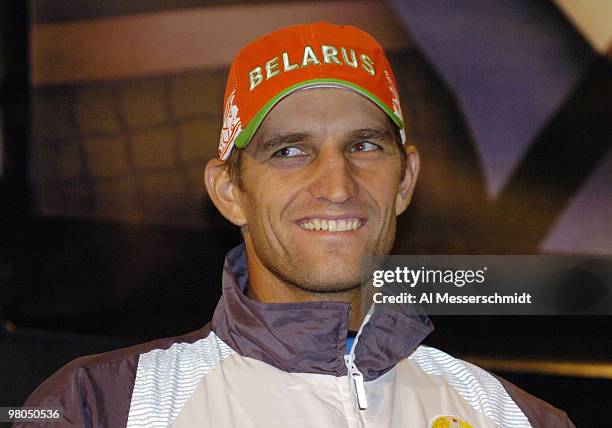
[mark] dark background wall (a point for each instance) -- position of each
(108, 237)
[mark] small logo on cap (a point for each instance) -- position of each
(397, 108)
(231, 126)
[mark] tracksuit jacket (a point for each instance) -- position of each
(284, 365)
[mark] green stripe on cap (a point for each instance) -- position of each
(244, 138)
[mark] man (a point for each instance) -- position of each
(314, 170)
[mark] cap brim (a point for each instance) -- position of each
(244, 138)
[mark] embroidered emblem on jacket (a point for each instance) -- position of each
(447, 421)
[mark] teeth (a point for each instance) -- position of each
(332, 225)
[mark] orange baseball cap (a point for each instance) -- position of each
(298, 57)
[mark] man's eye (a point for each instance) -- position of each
(364, 146)
(288, 152)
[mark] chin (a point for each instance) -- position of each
(327, 285)
(333, 276)
(335, 256)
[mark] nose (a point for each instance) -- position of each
(333, 178)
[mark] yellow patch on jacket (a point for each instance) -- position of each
(449, 422)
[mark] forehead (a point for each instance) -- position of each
(322, 111)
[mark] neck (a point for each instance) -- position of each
(266, 287)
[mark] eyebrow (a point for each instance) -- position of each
(370, 134)
(280, 140)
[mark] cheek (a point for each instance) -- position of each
(265, 204)
(254, 194)
(382, 189)
(275, 193)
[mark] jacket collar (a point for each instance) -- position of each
(310, 337)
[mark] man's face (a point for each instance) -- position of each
(319, 186)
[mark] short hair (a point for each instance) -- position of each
(233, 163)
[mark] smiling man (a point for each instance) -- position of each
(314, 168)
(316, 198)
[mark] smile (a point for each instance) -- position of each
(340, 225)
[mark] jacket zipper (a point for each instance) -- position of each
(354, 374)
(357, 380)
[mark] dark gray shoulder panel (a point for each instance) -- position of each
(539, 412)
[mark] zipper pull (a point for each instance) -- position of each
(354, 372)
(361, 395)
(357, 378)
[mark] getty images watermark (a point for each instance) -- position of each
(445, 277)
(496, 285)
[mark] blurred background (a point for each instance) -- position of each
(110, 110)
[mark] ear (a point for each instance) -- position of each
(406, 187)
(223, 192)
